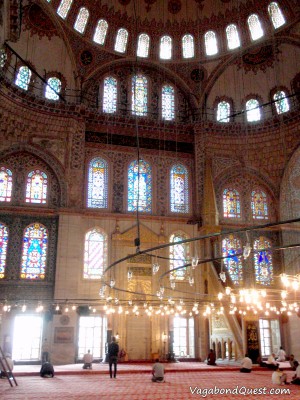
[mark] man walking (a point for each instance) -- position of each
(113, 351)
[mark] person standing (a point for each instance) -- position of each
(158, 372)
(246, 364)
(113, 351)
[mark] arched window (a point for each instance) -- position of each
(36, 187)
(179, 189)
(140, 186)
(100, 31)
(259, 205)
(139, 93)
(64, 8)
(53, 88)
(23, 77)
(255, 27)
(281, 102)
(143, 45)
(211, 45)
(34, 253)
(231, 248)
(263, 261)
(165, 48)
(3, 248)
(110, 93)
(233, 39)
(5, 184)
(95, 254)
(252, 110)
(121, 40)
(223, 111)
(97, 183)
(188, 46)
(81, 20)
(167, 103)
(179, 255)
(276, 15)
(231, 203)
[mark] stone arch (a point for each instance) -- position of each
(51, 162)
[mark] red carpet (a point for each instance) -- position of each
(138, 386)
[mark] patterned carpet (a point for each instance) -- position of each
(136, 385)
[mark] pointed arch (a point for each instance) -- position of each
(139, 186)
(110, 95)
(259, 204)
(81, 20)
(179, 189)
(36, 187)
(231, 248)
(100, 31)
(255, 28)
(34, 252)
(276, 15)
(231, 203)
(95, 253)
(263, 262)
(6, 184)
(97, 183)
(143, 45)
(179, 254)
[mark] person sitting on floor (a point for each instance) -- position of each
(47, 370)
(211, 358)
(158, 372)
(279, 377)
(87, 360)
(293, 362)
(281, 355)
(246, 364)
(271, 362)
(296, 377)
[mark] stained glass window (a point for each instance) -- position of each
(231, 203)
(211, 44)
(165, 52)
(100, 31)
(168, 103)
(95, 254)
(223, 111)
(233, 39)
(5, 184)
(259, 204)
(281, 102)
(231, 248)
(36, 187)
(34, 254)
(188, 46)
(255, 27)
(143, 45)
(253, 110)
(64, 8)
(121, 40)
(263, 261)
(179, 189)
(110, 92)
(53, 88)
(179, 255)
(276, 15)
(97, 183)
(23, 77)
(139, 95)
(81, 20)
(140, 186)
(3, 248)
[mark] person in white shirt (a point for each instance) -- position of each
(271, 362)
(87, 360)
(279, 377)
(158, 372)
(281, 355)
(246, 364)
